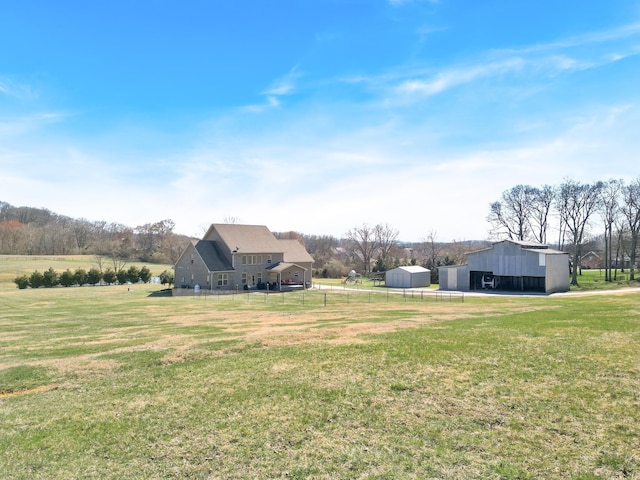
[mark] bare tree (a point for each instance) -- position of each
(577, 203)
(363, 241)
(386, 238)
(621, 252)
(631, 212)
(433, 249)
(609, 209)
(541, 202)
(511, 215)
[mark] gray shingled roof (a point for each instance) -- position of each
(294, 251)
(259, 239)
(248, 238)
(212, 258)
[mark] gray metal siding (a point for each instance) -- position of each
(557, 279)
(508, 260)
(420, 279)
(401, 278)
(454, 278)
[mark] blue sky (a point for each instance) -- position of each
(314, 116)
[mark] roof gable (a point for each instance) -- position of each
(246, 238)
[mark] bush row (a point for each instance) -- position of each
(51, 278)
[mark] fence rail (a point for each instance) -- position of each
(326, 296)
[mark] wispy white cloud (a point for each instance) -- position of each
(542, 61)
(457, 76)
(628, 31)
(13, 88)
(280, 87)
(270, 102)
(18, 125)
(284, 85)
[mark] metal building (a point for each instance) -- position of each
(412, 276)
(510, 265)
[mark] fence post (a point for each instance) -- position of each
(325, 299)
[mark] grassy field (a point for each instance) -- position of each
(123, 382)
(12, 266)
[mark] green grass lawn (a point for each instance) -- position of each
(12, 266)
(118, 382)
(595, 280)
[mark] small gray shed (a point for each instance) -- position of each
(412, 276)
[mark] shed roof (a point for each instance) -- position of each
(412, 269)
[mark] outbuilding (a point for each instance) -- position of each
(510, 265)
(411, 276)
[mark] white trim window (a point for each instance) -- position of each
(244, 279)
(251, 259)
(223, 279)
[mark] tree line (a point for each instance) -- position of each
(577, 213)
(38, 231)
(94, 276)
(369, 249)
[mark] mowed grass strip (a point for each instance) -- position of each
(117, 383)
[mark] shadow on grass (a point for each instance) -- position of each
(165, 292)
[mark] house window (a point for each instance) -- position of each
(251, 259)
(269, 258)
(223, 279)
(244, 279)
(259, 277)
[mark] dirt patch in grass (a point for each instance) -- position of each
(44, 388)
(271, 329)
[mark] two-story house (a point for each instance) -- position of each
(233, 257)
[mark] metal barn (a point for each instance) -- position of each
(510, 265)
(412, 276)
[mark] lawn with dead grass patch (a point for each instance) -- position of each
(118, 383)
